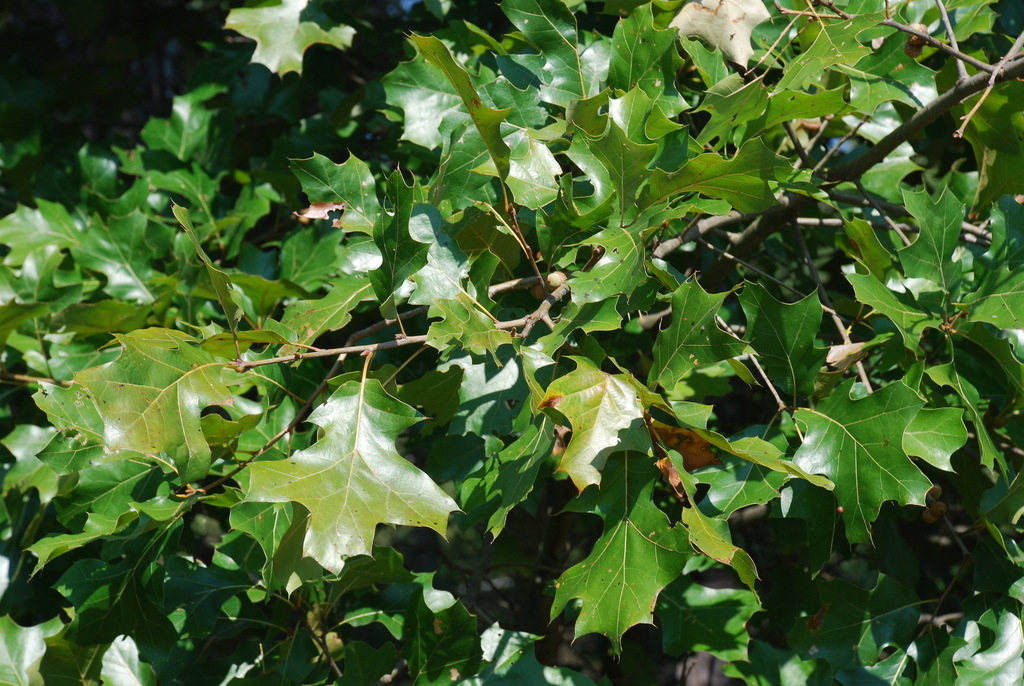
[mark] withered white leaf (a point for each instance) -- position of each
(725, 25)
(321, 210)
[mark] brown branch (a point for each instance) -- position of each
(827, 301)
(856, 168)
(25, 379)
(999, 68)
(970, 232)
(961, 70)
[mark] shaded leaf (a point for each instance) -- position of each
(637, 555)
(696, 617)
(854, 626)
(442, 646)
(783, 336)
(693, 339)
(858, 444)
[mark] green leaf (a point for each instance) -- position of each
(994, 649)
(783, 336)
(606, 415)
(122, 666)
(68, 663)
(743, 180)
(550, 27)
(931, 256)
(487, 120)
(310, 319)
(442, 645)
(516, 472)
(935, 434)
(858, 444)
(951, 376)
(20, 649)
(283, 33)
(491, 394)
(13, 315)
(626, 161)
(426, 98)
(149, 399)
(732, 103)
(863, 245)
(533, 171)
(696, 617)
(710, 535)
(188, 134)
(994, 133)
(466, 325)
(403, 255)
(643, 57)
(910, 318)
(26, 230)
(112, 601)
(693, 339)
(637, 555)
(999, 298)
(889, 75)
(512, 661)
(365, 665)
(118, 249)
(835, 44)
(350, 183)
(854, 626)
(98, 525)
(352, 479)
(620, 268)
(222, 284)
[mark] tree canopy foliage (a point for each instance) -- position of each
(555, 341)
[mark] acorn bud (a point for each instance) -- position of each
(915, 44)
(556, 279)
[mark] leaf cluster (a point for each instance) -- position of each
(549, 342)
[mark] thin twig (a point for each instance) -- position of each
(885, 217)
(526, 323)
(922, 36)
(804, 157)
(696, 229)
(823, 294)
(25, 379)
(835, 148)
(757, 365)
(749, 266)
(999, 68)
(826, 120)
(961, 70)
(856, 168)
(321, 644)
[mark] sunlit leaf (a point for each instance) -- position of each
(352, 478)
